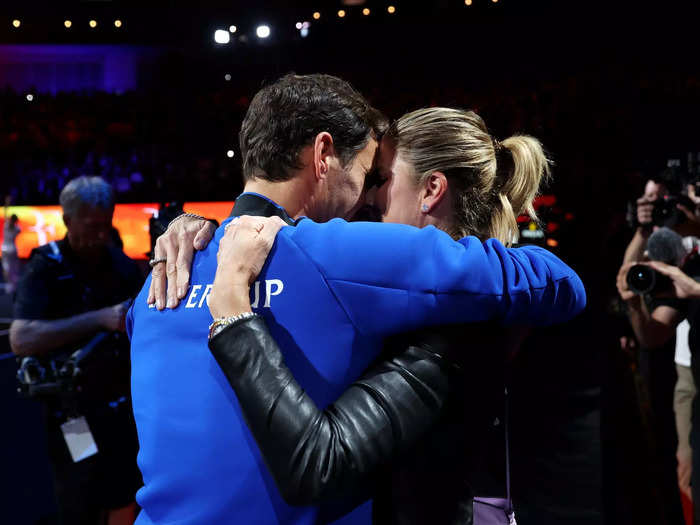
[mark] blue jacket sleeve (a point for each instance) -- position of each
(391, 278)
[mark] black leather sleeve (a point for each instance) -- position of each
(323, 454)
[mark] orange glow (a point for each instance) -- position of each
(552, 242)
(42, 224)
(391, 9)
(341, 13)
(365, 11)
(317, 15)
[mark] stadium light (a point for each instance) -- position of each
(93, 23)
(391, 9)
(317, 15)
(341, 13)
(365, 11)
(263, 31)
(16, 23)
(221, 36)
(30, 97)
(68, 24)
(117, 23)
(467, 2)
(227, 77)
(232, 29)
(230, 154)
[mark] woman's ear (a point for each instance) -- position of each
(323, 151)
(434, 191)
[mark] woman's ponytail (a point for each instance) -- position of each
(521, 167)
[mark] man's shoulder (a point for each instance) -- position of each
(47, 256)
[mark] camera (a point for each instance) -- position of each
(676, 177)
(99, 370)
(666, 212)
(643, 279)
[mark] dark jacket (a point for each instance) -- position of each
(419, 431)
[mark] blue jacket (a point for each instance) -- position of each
(335, 285)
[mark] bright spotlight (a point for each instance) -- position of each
(495, 1)
(467, 2)
(30, 97)
(304, 32)
(317, 15)
(227, 77)
(391, 9)
(16, 23)
(365, 11)
(341, 13)
(221, 36)
(232, 29)
(230, 154)
(299, 25)
(263, 31)
(68, 24)
(117, 23)
(93, 23)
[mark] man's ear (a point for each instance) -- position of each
(323, 152)
(434, 191)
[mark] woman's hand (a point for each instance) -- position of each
(243, 251)
(177, 246)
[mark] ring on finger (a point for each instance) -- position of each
(155, 261)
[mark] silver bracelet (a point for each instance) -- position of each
(222, 322)
(193, 215)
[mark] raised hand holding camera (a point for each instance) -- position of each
(684, 286)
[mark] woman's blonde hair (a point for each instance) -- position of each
(491, 182)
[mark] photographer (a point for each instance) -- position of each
(656, 308)
(71, 291)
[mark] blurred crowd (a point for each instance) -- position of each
(166, 141)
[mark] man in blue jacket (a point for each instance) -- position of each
(307, 144)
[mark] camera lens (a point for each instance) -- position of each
(641, 279)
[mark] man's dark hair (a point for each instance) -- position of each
(288, 114)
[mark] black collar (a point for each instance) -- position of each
(259, 206)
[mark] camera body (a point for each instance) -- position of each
(98, 371)
(666, 212)
(676, 178)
